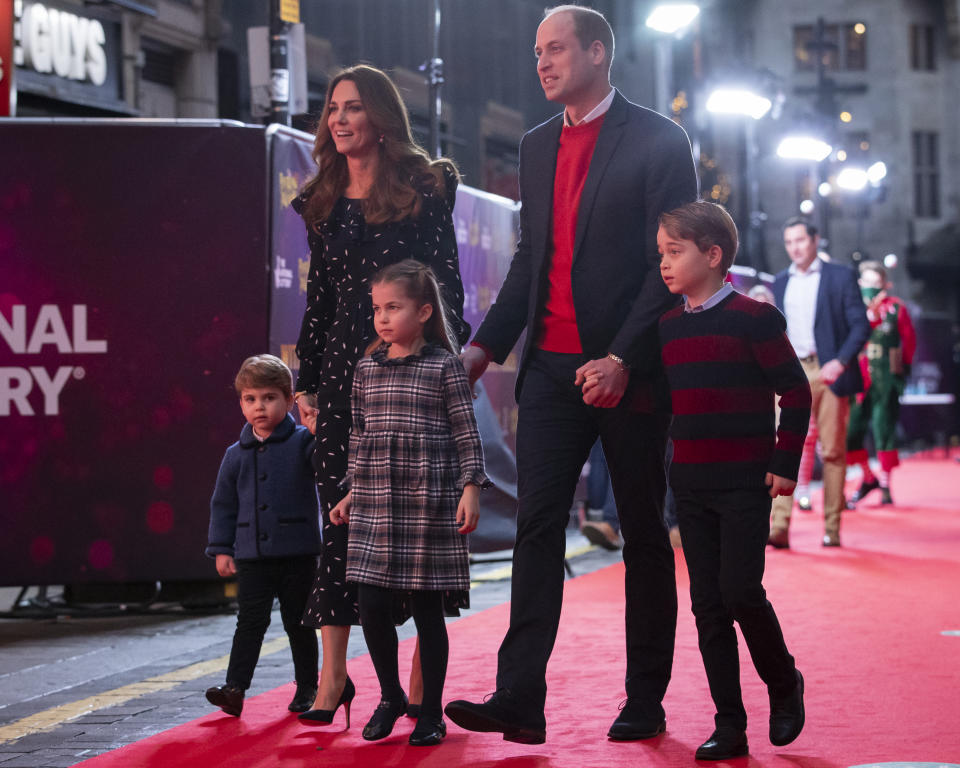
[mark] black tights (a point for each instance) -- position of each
(381, 636)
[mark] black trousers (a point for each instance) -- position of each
(724, 537)
(258, 582)
(380, 634)
(555, 431)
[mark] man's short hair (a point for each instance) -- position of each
(588, 25)
(706, 224)
(263, 371)
(795, 220)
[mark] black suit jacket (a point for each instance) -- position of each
(840, 325)
(642, 166)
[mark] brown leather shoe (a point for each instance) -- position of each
(601, 533)
(779, 539)
(831, 540)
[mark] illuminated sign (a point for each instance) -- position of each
(6, 59)
(59, 42)
(28, 336)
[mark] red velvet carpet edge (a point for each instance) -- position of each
(865, 623)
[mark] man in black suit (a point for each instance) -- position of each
(827, 325)
(585, 285)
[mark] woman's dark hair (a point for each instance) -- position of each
(405, 170)
(420, 284)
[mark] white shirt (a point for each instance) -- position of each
(593, 114)
(719, 296)
(800, 307)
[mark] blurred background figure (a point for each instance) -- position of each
(885, 364)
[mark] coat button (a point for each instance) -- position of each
(262, 448)
(264, 537)
(263, 476)
(263, 507)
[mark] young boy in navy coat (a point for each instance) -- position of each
(264, 528)
(727, 357)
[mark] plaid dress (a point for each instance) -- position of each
(413, 447)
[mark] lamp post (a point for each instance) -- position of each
(747, 103)
(671, 20)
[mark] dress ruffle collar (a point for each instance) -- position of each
(379, 355)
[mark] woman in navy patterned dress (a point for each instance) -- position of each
(376, 199)
(415, 470)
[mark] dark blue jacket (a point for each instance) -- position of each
(265, 502)
(840, 325)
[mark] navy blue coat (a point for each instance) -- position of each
(840, 325)
(265, 501)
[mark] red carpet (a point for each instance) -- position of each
(865, 623)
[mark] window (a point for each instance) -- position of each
(844, 46)
(926, 175)
(922, 47)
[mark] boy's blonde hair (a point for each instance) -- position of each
(261, 371)
(706, 224)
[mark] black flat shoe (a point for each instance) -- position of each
(325, 716)
(428, 733)
(787, 715)
(384, 718)
(303, 699)
(635, 722)
(501, 713)
(723, 744)
(228, 697)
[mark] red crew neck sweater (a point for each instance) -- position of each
(558, 327)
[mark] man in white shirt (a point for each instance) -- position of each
(828, 326)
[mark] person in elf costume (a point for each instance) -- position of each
(885, 363)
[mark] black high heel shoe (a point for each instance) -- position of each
(325, 716)
(384, 718)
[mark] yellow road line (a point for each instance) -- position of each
(499, 574)
(51, 718)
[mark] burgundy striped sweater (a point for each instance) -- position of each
(724, 366)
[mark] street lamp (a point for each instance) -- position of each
(738, 101)
(804, 148)
(745, 102)
(672, 18)
(866, 185)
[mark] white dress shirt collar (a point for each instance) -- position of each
(593, 114)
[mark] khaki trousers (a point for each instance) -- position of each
(831, 414)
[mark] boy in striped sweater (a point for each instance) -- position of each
(727, 357)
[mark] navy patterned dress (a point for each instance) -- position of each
(413, 447)
(337, 327)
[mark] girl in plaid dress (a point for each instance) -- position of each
(415, 470)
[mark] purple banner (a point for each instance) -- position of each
(291, 166)
(132, 286)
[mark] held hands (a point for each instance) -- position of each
(468, 510)
(475, 362)
(308, 411)
(831, 371)
(340, 514)
(226, 566)
(779, 486)
(603, 382)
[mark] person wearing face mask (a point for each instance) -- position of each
(377, 198)
(885, 364)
